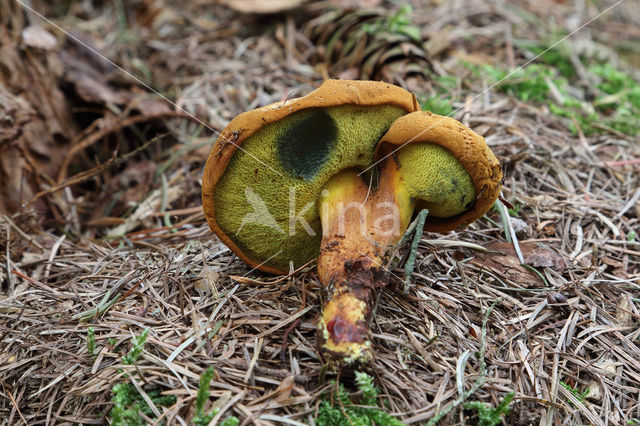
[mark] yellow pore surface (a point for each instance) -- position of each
(434, 177)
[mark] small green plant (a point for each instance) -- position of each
(480, 380)
(580, 396)
(127, 401)
(128, 404)
(617, 94)
(399, 23)
(341, 411)
(614, 81)
(551, 53)
(446, 92)
(527, 84)
(633, 422)
(201, 418)
(619, 100)
(229, 421)
(136, 350)
(91, 341)
(515, 210)
(437, 105)
(488, 416)
(631, 236)
(448, 83)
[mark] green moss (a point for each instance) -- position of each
(612, 80)
(487, 415)
(128, 404)
(339, 409)
(91, 341)
(530, 83)
(446, 91)
(136, 350)
(616, 104)
(202, 418)
(551, 53)
(580, 396)
(258, 208)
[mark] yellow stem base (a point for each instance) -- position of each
(358, 227)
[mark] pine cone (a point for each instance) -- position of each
(368, 44)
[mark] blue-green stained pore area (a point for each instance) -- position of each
(305, 147)
(265, 212)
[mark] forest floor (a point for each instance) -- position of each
(115, 296)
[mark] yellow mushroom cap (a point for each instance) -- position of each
(469, 149)
(265, 156)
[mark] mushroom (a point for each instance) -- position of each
(337, 175)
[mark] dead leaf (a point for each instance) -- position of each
(609, 366)
(623, 309)
(473, 58)
(135, 182)
(151, 106)
(106, 221)
(263, 6)
(521, 227)
(556, 297)
(284, 389)
(90, 79)
(540, 256)
(356, 4)
(39, 38)
(149, 10)
(124, 190)
(145, 209)
(37, 121)
(208, 280)
(349, 74)
(595, 391)
(508, 265)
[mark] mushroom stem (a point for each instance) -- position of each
(358, 227)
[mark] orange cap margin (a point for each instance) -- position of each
(466, 145)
